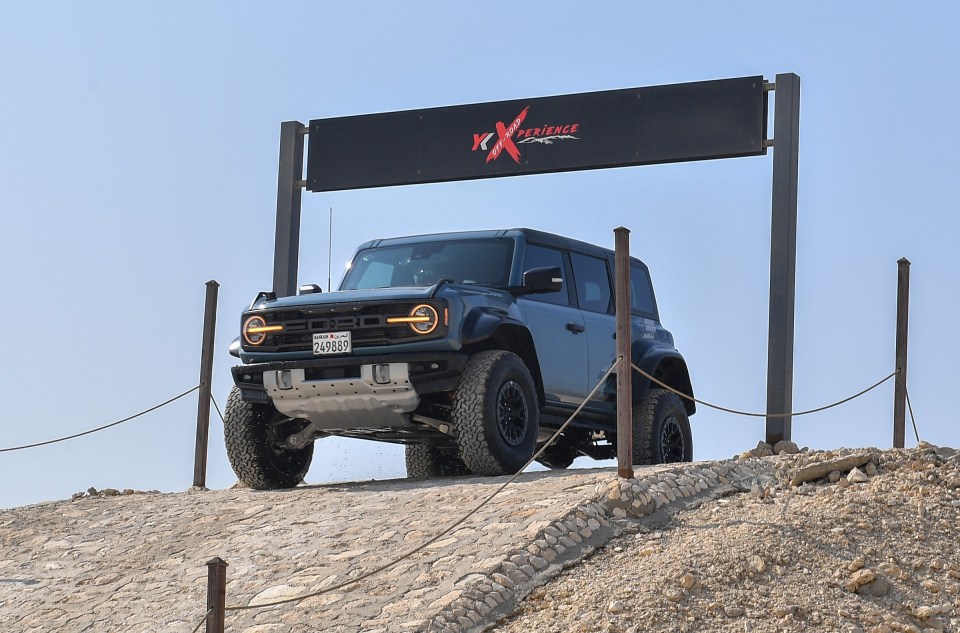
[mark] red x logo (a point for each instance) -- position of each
(505, 140)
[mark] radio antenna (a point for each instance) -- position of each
(330, 252)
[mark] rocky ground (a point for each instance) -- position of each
(848, 540)
(872, 548)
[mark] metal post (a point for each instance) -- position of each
(783, 256)
(624, 338)
(900, 382)
(286, 252)
(206, 378)
(216, 594)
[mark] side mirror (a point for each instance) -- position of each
(540, 280)
(235, 347)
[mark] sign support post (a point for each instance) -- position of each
(783, 257)
(286, 252)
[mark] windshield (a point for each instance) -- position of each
(481, 262)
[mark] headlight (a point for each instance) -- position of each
(423, 319)
(255, 330)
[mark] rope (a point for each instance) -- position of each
(765, 415)
(100, 428)
(217, 407)
(443, 533)
(205, 616)
(912, 419)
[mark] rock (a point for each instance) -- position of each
(871, 469)
(815, 471)
(858, 579)
(834, 477)
(615, 606)
(733, 611)
(878, 588)
(785, 446)
(756, 565)
(931, 585)
(688, 581)
(857, 476)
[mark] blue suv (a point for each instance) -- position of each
(470, 349)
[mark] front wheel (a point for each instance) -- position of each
(661, 429)
(255, 434)
(496, 416)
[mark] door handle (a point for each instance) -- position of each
(576, 328)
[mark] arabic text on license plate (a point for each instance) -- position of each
(331, 343)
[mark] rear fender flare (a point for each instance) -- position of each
(664, 363)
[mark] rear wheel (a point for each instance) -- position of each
(495, 415)
(429, 461)
(661, 429)
(255, 434)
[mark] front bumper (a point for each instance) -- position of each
(355, 392)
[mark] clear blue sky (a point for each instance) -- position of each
(138, 158)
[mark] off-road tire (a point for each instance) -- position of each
(495, 417)
(252, 432)
(429, 461)
(661, 429)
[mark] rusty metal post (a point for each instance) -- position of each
(900, 382)
(216, 594)
(206, 378)
(624, 338)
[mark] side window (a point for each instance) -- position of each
(641, 294)
(539, 257)
(593, 283)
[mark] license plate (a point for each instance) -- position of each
(332, 343)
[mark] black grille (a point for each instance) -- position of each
(366, 322)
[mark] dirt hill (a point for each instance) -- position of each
(872, 550)
(822, 541)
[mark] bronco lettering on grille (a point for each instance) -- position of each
(346, 323)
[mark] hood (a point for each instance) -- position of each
(343, 296)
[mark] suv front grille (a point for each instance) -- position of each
(366, 322)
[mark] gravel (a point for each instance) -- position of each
(868, 545)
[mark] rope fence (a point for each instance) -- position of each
(764, 415)
(101, 428)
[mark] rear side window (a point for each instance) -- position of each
(641, 294)
(540, 257)
(593, 283)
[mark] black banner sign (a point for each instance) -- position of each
(594, 130)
